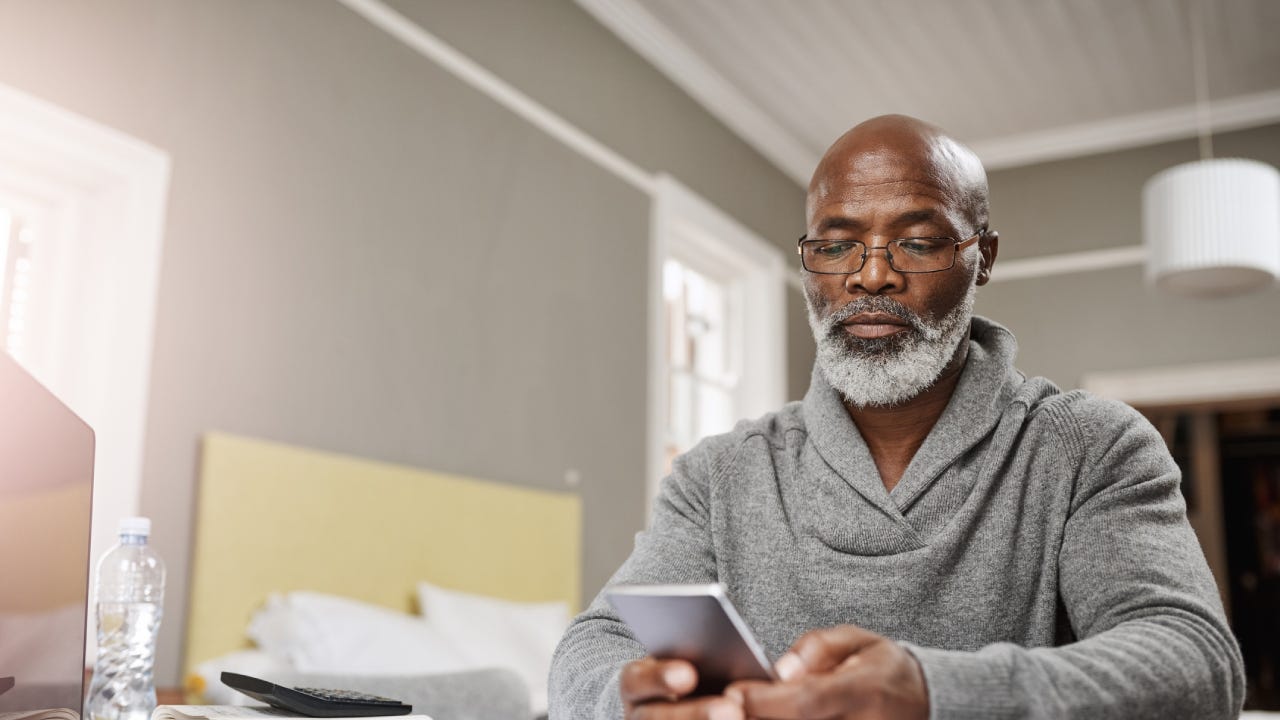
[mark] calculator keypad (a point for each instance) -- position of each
(349, 696)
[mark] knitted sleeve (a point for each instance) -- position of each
(676, 548)
(1153, 639)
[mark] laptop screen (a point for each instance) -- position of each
(46, 489)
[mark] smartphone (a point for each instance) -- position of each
(695, 623)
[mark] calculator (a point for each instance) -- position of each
(315, 702)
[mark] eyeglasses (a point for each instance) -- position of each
(906, 255)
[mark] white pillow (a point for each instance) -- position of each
(318, 633)
(488, 632)
(205, 682)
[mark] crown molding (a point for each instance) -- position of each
(1129, 131)
(631, 22)
(500, 91)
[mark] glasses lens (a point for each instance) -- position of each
(905, 255)
(922, 254)
(832, 256)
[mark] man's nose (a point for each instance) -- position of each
(876, 275)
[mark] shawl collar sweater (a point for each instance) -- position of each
(1035, 556)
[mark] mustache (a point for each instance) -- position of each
(873, 304)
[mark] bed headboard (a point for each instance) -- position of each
(275, 518)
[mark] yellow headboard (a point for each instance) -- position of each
(274, 518)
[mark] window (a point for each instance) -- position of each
(81, 215)
(717, 348)
(702, 372)
(15, 281)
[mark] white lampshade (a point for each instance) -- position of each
(1212, 227)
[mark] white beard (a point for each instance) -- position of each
(892, 370)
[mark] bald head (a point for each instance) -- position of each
(898, 148)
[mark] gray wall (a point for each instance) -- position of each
(593, 80)
(365, 255)
(1069, 325)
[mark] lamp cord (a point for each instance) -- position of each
(1200, 69)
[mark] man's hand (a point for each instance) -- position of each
(652, 689)
(842, 672)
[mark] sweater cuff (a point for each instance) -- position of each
(965, 685)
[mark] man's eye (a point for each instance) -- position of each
(918, 246)
(834, 250)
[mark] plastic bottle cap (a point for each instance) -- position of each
(135, 526)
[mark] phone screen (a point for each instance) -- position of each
(695, 623)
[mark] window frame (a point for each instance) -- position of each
(686, 227)
(95, 199)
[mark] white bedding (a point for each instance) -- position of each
(325, 634)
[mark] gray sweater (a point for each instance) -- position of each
(1035, 557)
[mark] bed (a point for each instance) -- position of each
(273, 518)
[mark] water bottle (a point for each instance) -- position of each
(130, 585)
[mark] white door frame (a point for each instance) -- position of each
(97, 198)
(685, 226)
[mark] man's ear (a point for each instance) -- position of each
(988, 247)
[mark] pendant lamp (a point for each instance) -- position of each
(1211, 227)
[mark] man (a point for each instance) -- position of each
(929, 534)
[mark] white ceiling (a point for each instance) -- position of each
(1020, 80)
